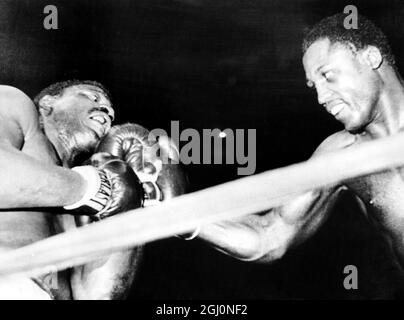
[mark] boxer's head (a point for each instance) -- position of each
(347, 68)
(75, 115)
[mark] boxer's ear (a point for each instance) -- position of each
(46, 105)
(373, 57)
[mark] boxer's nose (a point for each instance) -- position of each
(323, 94)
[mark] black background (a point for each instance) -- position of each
(212, 64)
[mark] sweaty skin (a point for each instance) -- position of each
(32, 177)
(366, 95)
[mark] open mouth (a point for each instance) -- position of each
(337, 109)
(99, 118)
(99, 123)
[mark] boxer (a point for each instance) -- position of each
(71, 119)
(354, 74)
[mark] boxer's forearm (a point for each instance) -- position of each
(266, 237)
(27, 183)
(107, 278)
(243, 240)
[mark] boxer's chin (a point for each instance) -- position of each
(356, 125)
(78, 147)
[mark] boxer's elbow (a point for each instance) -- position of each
(260, 252)
(271, 244)
(253, 246)
(272, 255)
(245, 241)
(247, 246)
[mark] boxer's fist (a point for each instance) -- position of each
(113, 187)
(155, 162)
(126, 190)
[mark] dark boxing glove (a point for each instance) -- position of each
(112, 187)
(155, 161)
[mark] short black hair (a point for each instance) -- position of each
(57, 88)
(367, 34)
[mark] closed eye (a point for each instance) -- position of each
(328, 75)
(89, 96)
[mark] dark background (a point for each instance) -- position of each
(212, 64)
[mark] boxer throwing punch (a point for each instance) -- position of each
(354, 74)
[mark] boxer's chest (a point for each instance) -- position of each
(383, 194)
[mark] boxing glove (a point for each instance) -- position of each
(154, 160)
(112, 187)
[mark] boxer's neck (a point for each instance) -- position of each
(65, 149)
(389, 118)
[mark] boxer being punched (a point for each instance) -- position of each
(73, 117)
(354, 74)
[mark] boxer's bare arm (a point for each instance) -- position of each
(108, 278)
(26, 181)
(266, 237)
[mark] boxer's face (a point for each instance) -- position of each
(345, 83)
(78, 119)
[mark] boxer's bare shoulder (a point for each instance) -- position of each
(339, 140)
(17, 106)
(18, 116)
